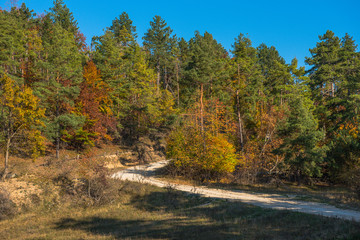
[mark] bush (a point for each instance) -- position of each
(201, 156)
(7, 207)
(84, 181)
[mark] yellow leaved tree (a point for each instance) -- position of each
(19, 116)
(201, 147)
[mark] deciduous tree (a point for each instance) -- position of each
(20, 114)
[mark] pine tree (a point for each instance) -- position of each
(302, 140)
(334, 81)
(158, 41)
(247, 84)
(276, 73)
(21, 44)
(204, 74)
(147, 107)
(343, 137)
(61, 78)
(349, 62)
(324, 58)
(110, 59)
(12, 44)
(60, 14)
(122, 24)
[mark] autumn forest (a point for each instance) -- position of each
(243, 114)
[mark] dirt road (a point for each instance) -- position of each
(145, 174)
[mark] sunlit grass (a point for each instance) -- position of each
(147, 212)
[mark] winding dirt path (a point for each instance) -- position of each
(145, 174)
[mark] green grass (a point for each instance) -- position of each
(147, 212)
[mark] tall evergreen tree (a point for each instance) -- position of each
(333, 79)
(276, 73)
(349, 62)
(205, 68)
(324, 61)
(11, 43)
(121, 24)
(158, 41)
(62, 64)
(114, 67)
(60, 14)
(20, 43)
(247, 83)
(181, 58)
(302, 139)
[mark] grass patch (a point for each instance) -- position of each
(147, 212)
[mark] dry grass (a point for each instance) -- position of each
(135, 211)
(147, 212)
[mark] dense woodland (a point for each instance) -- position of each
(245, 113)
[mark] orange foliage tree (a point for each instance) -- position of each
(257, 155)
(93, 103)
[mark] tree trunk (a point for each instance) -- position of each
(89, 187)
(57, 146)
(13, 58)
(202, 108)
(178, 84)
(299, 178)
(202, 114)
(158, 78)
(57, 135)
(240, 121)
(166, 83)
(47, 69)
(6, 159)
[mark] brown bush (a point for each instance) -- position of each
(7, 207)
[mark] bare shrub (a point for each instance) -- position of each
(7, 207)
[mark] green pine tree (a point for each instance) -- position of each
(302, 140)
(158, 41)
(62, 74)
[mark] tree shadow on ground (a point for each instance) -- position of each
(173, 228)
(251, 221)
(179, 215)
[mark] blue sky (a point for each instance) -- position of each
(291, 26)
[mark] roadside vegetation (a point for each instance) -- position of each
(140, 211)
